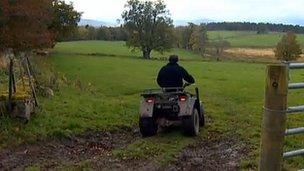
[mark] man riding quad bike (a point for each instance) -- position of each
(171, 104)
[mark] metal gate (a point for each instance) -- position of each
(296, 109)
(275, 114)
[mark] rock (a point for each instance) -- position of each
(46, 91)
(49, 93)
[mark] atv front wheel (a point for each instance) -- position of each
(191, 124)
(148, 126)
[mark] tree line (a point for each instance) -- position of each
(98, 33)
(258, 27)
(191, 37)
(187, 37)
(121, 34)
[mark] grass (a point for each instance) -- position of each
(236, 38)
(251, 39)
(165, 145)
(115, 49)
(102, 93)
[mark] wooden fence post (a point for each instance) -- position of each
(10, 86)
(274, 121)
(31, 84)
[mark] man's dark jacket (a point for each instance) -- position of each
(172, 75)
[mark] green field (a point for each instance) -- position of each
(236, 38)
(251, 39)
(101, 90)
(114, 49)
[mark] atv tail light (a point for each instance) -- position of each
(150, 100)
(182, 98)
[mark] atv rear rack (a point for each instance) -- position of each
(171, 90)
(165, 91)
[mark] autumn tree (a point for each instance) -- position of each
(198, 39)
(288, 49)
(81, 33)
(91, 32)
(25, 24)
(65, 20)
(191, 37)
(219, 45)
(35, 24)
(149, 26)
(178, 31)
(186, 36)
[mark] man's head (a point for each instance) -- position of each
(173, 59)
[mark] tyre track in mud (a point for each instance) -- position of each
(50, 154)
(216, 153)
(219, 153)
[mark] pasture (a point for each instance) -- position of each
(100, 86)
(114, 49)
(251, 39)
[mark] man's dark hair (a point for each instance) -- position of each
(173, 59)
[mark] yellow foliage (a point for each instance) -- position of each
(22, 91)
(3, 63)
(19, 95)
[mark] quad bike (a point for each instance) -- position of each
(161, 107)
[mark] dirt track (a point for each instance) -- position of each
(54, 153)
(215, 154)
(255, 53)
(219, 154)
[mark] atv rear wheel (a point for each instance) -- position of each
(191, 124)
(148, 126)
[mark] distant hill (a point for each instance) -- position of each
(94, 23)
(185, 22)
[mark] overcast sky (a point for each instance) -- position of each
(278, 11)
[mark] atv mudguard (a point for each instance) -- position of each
(186, 108)
(146, 109)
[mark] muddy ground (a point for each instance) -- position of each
(54, 153)
(216, 154)
(219, 154)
